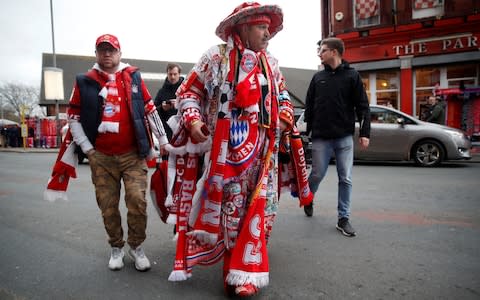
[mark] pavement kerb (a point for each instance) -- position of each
(475, 155)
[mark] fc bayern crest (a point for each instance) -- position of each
(109, 110)
(243, 138)
(249, 61)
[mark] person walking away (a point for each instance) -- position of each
(110, 116)
(335, 96)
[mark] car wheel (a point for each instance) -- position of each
(428, 153)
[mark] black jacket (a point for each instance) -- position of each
(333, 99)
(167, 92)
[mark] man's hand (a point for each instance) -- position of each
(90, 152)
(364, 142)
(283, 126)
(196, 132)
(163, 151)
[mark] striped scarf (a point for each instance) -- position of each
(111, 106)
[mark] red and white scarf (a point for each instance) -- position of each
(63, 169)
(111, 106)
(249, 261)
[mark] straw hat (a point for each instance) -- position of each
(247, 9)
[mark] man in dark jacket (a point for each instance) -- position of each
(165, 100)
(335, 96)
(436, 110)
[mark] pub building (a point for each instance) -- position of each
(407, 50)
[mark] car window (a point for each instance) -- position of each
(384, 116)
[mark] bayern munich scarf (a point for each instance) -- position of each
(63, 169)
(111, 106)
(302, 190)
(187, 190)
(249, 261)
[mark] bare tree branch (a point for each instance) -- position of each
(18, 96)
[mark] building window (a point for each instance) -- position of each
(387, 87)
(462, 76)
(382, 87)
(427, 8)
(366, 12)
(426, 79)
(366, 84)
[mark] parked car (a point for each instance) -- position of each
(397, 136)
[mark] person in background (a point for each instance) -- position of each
(165, 100)
(3, 136)
(233, 107)
(116, 138)
(436, 110)
(335, 95)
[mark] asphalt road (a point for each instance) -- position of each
(418, 238)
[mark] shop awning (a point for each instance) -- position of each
(457, 91)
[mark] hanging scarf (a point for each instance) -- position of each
(301, 189)
(187, 190)
(111, 106)
(158, 188)
(249, 261)
(63, 169)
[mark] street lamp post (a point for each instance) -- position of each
(55, 78)
(53, 84)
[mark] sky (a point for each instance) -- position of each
(147, 29)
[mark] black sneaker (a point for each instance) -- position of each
(345, 228)
(308, 209)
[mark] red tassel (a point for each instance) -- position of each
(245, 95)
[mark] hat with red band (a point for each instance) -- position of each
(108, 38)
(251, 13)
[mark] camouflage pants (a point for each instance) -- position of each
(108, 171)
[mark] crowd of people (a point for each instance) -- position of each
(10, 136)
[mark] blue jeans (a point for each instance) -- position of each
(322, 150)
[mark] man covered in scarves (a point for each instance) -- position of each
(233, 110)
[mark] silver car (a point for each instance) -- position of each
(397, 136)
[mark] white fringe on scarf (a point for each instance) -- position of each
(52, 195)
(179, 275)
(237, 277)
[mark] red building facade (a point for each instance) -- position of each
(407, 50)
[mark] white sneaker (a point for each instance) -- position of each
(141, 261)
(116, 259)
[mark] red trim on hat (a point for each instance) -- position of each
(255, 19)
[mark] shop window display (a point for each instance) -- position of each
(387, 83)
